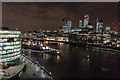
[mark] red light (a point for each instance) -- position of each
(114, 27)
(119, 23)
(113, 23)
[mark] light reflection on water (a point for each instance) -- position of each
(75, 62)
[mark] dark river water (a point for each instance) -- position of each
(74, 63)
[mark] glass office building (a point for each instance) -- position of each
(86, 20)
(67, 23)
(10, 47)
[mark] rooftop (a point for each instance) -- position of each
(4, 28)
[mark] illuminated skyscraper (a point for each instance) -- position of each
(97, 23)
(66, 25)
(99, 26)
(86, 20)
(106, 35)
(10, 46)
(80, 23)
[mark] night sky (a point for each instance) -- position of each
(43, 15)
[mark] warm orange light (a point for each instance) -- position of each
(45, 38)
(45, 42)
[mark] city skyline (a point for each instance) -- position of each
(34, 16)
(59, 41)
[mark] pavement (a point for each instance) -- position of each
(33, 71)
(11, 71)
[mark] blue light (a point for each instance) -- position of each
(36, 50)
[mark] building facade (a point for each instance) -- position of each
(66, 25)
(99, 26)
(10, 47)
(86, 20)
(80, 24)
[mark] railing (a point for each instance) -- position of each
(49, 73)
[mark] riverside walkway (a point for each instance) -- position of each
(32, 71)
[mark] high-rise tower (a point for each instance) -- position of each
(99, 26)
(80, 23)
(66, 25)
(86, 20)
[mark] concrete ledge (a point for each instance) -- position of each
(13, 72)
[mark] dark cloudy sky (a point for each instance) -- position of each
(43, 15)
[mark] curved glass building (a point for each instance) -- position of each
(10, 47)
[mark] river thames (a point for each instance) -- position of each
(79, 62)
